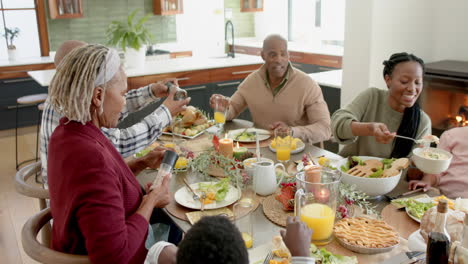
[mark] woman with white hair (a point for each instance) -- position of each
(97, 204)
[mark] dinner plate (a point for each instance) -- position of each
(300, 147)
(416, 241)
(184, 197)
(263, 134)
(184, 136)
(422, 200)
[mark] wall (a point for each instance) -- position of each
(274, 19)
(244, 22)
(376, 29)
(99, 14)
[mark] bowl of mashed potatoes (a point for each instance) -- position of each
(431, 160)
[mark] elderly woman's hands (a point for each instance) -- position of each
(158, 197)
(160, 89)
(154, 157)
(175, 107)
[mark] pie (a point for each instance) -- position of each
(366, 232)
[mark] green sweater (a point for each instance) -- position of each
(370, 106)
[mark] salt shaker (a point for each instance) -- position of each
(180, 94)
(168, 162)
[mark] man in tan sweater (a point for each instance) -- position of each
(279, 95)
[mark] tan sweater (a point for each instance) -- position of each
(299, 104)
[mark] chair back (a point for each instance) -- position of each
(40, 252)
(23, 187)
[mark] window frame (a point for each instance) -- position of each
(39, 7)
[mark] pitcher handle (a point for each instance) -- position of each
(282, 175)
(298, 202)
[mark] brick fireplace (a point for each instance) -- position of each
(445, 94)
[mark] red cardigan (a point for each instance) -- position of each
(93, 197)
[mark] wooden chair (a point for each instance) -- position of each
(41, 252)
(33, 190)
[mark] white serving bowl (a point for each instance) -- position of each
(249, 165)
(428, 165)
(371, 186)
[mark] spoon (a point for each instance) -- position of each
(417, 141)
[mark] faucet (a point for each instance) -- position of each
(230, 52)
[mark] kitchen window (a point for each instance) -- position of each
(26, 15)
(317, 21)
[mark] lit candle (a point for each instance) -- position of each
(322, 195)
(312, 173)
(226, 147)
(239, 151)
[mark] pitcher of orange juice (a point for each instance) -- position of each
(315, 203)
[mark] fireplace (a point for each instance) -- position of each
(445, 94)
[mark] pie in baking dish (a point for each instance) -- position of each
(366, 232)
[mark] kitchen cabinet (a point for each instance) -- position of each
(12, 89)
(65, 9)
(167, 7)
(311, 68)
(228, 88)
(251, 5)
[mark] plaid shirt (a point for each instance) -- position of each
(127, 141)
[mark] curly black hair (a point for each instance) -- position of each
(213, 239)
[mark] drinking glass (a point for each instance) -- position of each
(220, 112)
(315, 203)
(283, 136)
(244, 222)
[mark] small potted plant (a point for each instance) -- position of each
(132, 36)
(10, 35)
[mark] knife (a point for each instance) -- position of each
(405, 258)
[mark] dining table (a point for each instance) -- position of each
(265, 230)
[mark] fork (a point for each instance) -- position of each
(202, 201)
(268, 257)
(194, 196)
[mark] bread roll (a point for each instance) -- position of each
(454, 223)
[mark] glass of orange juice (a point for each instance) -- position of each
(283, 138)
(315, 203)
(220, 112)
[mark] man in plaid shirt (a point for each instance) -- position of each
(129, 140)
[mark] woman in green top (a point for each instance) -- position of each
(368, 125)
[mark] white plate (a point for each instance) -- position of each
(264, 134)
(185, 198)
(184, 136)
(300, 147)
(257, 254)
(422, 200)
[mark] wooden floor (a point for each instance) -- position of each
(15, 209)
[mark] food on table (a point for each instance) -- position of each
(247, 239)
(215, 191)
(279, 249)
(373, 168)
(415, 207)
(431, 153)
(366, 232)
(321, 255)
(282, 261)
(454, 223)
(429, 139)
(190, 122)
(245, 136)
(181, 163)
(323, 161)
(286, 197)
(320, 218)
(295, 142)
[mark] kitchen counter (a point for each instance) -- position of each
(328, 78)
(27, 61)
(168, 66)
(295, 46)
